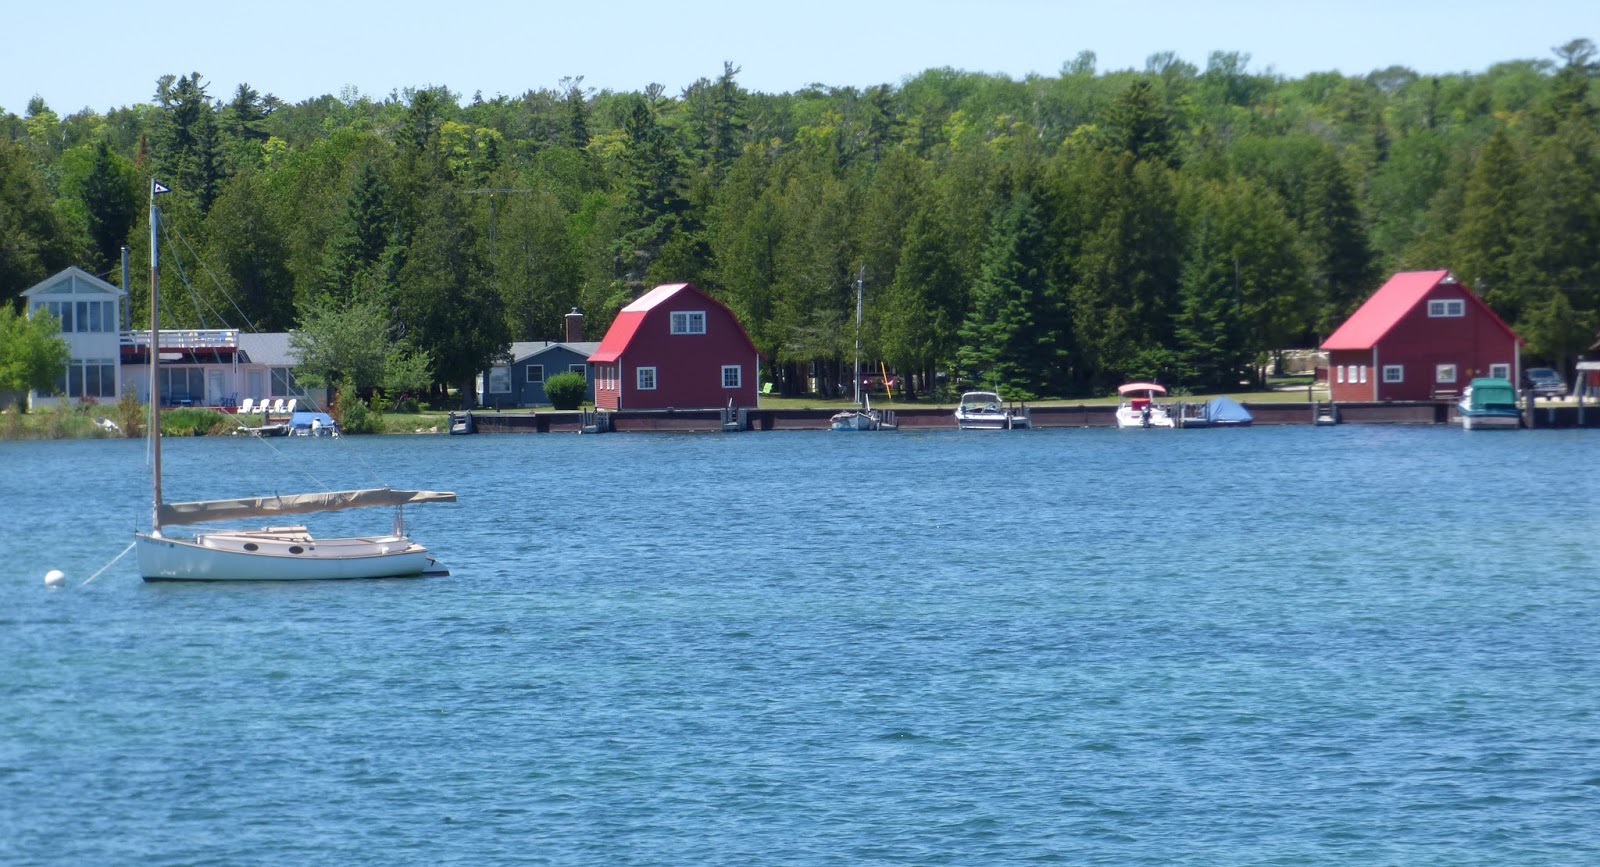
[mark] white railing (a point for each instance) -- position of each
(202, 338)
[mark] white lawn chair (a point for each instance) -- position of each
(248, 407)
(277, 407)
(290, 408)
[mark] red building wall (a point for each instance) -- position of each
(689, 368)
(1419, 343)
(1347, 368)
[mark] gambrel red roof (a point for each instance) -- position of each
(1391, 303)
(632, 316)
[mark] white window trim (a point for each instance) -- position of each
(1439, 371)
(1362, 369)
(738, 375)
(683, 321)
(639, 374)
(579, 368)
(1450, 308)
(501, 383)
(1500, 371)
(1393, 373)
(1339, 371)
(529, 374)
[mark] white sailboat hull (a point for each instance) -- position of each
(853, 420)
(279, 554)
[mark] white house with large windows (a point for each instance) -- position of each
(217, 367)
(89, 310)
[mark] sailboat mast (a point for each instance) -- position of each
(155, 374)
(861, 279)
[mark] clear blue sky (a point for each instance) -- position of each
(97, 54)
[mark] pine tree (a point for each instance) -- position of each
(1489, 238)
(110, 203)
(1140, 125)
(188, 148)
(922, 307)
(1212, 329)
(1007, 340)
(351, 266)
(1342, 260)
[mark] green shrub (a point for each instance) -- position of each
(565, 390)
(131, 415)
(192, 422)
(353, 416)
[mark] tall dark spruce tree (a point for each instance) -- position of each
(1008, 339)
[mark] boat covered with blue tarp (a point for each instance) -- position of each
(304, 423)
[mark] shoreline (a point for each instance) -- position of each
(54, 425)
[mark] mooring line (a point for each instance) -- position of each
(108, 565)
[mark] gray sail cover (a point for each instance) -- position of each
(295, 504)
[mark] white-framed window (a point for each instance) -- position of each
(646, 379)
(581, 369)
(1447, 307)
(1362, 369)
(81, 317)
(1339, 371)
(732, 375)
(284, 384)
(1394, 373)
(689, 322)
(94, 377)
(1444, 373)
(499, 380)
(1500, 371)
(536, 373)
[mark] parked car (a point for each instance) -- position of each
(1545, 382)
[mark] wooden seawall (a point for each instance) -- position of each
(943, 418)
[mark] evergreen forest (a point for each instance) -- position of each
(1050, 236)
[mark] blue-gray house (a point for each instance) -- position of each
(520, 380)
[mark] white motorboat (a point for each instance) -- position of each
(274, 553)
(984, 410)
(1139, 407)
(1489, 404)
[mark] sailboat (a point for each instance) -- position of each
(274, 553)
(862, 416)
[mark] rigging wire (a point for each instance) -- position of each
(173, 238)
(172, 232)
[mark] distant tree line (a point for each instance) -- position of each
(1050, 236)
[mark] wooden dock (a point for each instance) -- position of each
(943, 418)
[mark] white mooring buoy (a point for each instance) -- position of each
(55, 578)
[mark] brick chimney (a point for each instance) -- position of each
(574, 326)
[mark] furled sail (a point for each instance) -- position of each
(294, 504)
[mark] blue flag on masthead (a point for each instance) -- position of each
(157, 188)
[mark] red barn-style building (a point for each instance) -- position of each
(1422, 335)
(675, 348)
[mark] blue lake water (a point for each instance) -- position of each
(1354, 645)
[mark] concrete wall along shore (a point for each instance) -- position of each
(1048, 416)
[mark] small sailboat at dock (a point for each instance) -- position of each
(861, 416)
